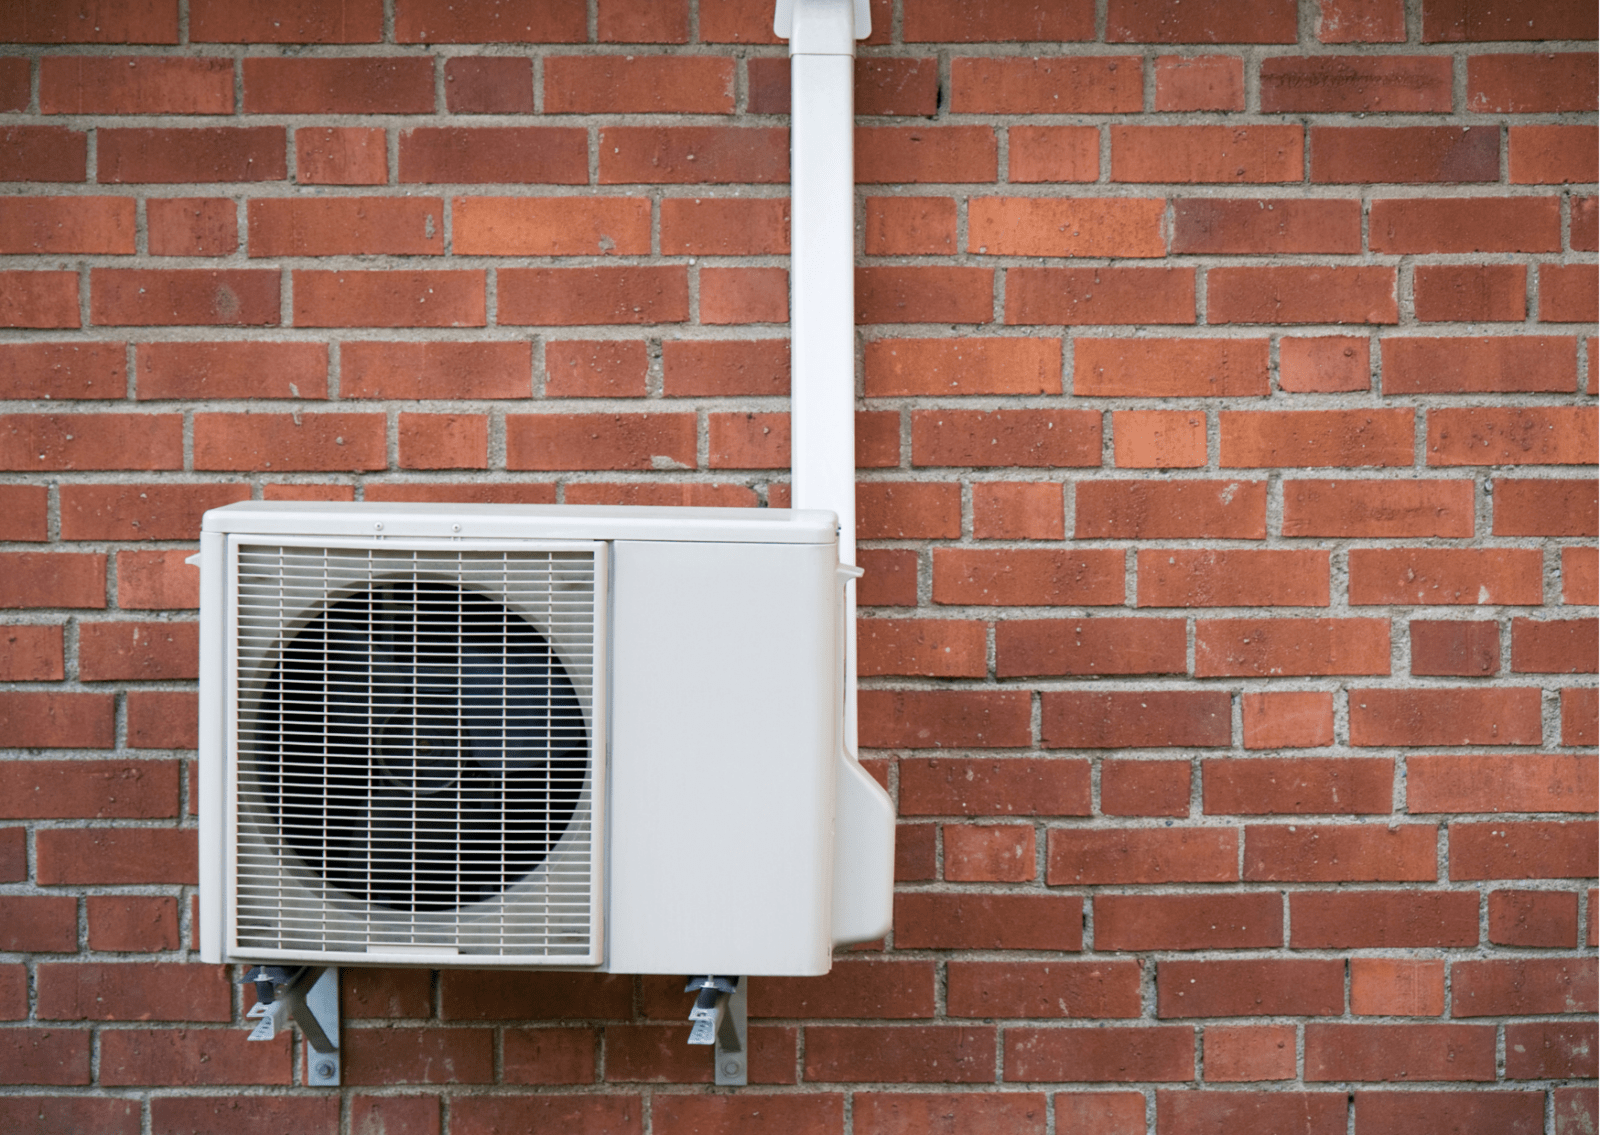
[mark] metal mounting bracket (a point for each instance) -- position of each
(721, 1019)
(309, 995)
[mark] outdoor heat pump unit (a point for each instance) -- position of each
(531, 736)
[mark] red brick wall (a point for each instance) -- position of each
(1227, 501)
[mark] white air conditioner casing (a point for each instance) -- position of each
(577, 738)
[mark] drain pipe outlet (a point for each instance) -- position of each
(822, 35)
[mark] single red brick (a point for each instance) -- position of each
(1147, 510)
(197, 1056)
(602, 368)
(1455, 648)
(644, 21)
(546, 155)
(672, 1114)
(934, 648)
(929, 719)
(1302, 786)
(1158, 439)
(232, 370)
(747, 441)
(1049, 647)
(315, 491)
(722, 226)
(1388, 1053)
(1548, 1050)
(14, 869)
(915, 853)
(1538, 850)
(1245, 1053)
(1274, 987)
(1261, 648)
(418, 1056)
(161, 720)
(52, 579)
(1402, 155)
(15, 84)
(927, 21)
(1555, 646)
(1028, 577)
(1073, 85)
(1301, 295)
(1031, 439)
(1458, 293)
(283, 442)
(63, 370)
(389, 298)
(1512, 782)
(1086, 857)
(43, 153)
(1338, 853)
(353, 226)
(117, 856)
(1169, 368)
(1534, 918)
(885, 86)
(902, 367)
(1361, 21)
(209, 154)
(897, 510)
(544, 1056)
(1034, 990)
(1114, 1054)
(638, 84)
(133, 84)
(135, 924)
(31, 654)
(1020, 510)
(1545, 155)
(1522, 986)
(395, 1115)
(50, 225)
(996, 1113)
(1576, 1110)
(1326, 364)
(444, 441)
(1578, 713)
(924, 295)
(744, 295)
(1144, 788)
(1378, 508)
(575, 296)
(897, 990)
(1079, 227)
(1512, 435)
(1491, 364)
(1567, 294)
(236, 297)
(1188, 922)
(1465, 224)
(918, 1054)
(197, 226)
(1383, 919)
(1232, 578)
(600, 441)
(1394, 987)
(1526, 83)
(1197, 154)
(386, 993)
(994, 788)
(895, 226)
(1199, 82)
(141, 511)
(1304, 1113)
(341, 155)
(38, 924)
(39, 299)
(1103, 296)
(1052, 153)
(1228, 226)
(367, 85)
(435, 370)
(1149, 21)
(532, 995)
(1444, 717)
(1437, 576)
(1356, 84)
(988, 854)
(439, 21)
(80, 789)
(55, 1057)
(691, 155)
(1506, 1113)
(1311, 438)
(488, 84)
(219, 1115)
(736, 21)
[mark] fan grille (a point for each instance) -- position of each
(414, 766)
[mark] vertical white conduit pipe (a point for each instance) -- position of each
(822, 35)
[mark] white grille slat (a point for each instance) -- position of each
(410, 770)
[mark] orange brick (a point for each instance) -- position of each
(1016, 510)
(1362, 21)
(133, 84)
(1545, 155)
(924, 295)
(1199, 82)
(1066, 226)
(1163, 510)
(1324, 365)
(1511, 782)
(341, 155)
(1034, 439)
(1169, 368)
(346, 226)
(1197, 154)
(988, 854)
(551, 226)
(1396, 987)
(651, 155)
(1053, 153)
(1513, 435)
(1378, 508)
(390, 299)
(593, 296)
(1100, 295)
(194, 226)
(1249, 1053)
(1287, 720)
(1061, 85)
(899, 367)
(444, 441)
(1260, 648)
(1301, 295)
(1158, 439)
(727, 226)
(1027, 577)
(1445, 576)
(1580, 582)
(1233, 578)
(1151, 21)
(1444, 717)
(933, 648)
(600, 441)
(896, 510)
(1497, 364)
(1310, 438)
(638, 84)
(1445, 293)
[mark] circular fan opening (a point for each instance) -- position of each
(420, 746)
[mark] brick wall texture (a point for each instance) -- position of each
(1226, 432)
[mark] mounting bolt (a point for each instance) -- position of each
(730, 1067)
(323, 1069)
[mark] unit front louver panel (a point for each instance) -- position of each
(415, 768)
